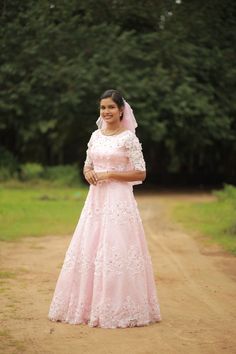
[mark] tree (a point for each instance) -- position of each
(171, 61)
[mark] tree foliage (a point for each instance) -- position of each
(173, 62)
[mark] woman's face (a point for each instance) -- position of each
(109, 110)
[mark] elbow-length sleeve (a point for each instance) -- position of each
(135, 154)
(88, 160)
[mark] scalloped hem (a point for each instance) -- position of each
(96, 324)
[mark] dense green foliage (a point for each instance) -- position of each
(34, 172)
(173, 62)
(64, 175)
(214, 220)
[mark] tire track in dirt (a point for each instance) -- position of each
(201, 289)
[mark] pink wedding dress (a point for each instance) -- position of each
(107, 278)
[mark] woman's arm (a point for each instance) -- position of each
(128, 176)
(88, 169)
(93, 177)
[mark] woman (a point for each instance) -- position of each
(107, 278)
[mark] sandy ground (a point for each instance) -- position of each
(195, 283)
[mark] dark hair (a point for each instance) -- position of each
(116, 97)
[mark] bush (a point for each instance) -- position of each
(62, 174)
(31, 171)
(228, 196)
(5, 173)
(228, 193)
(9, 166)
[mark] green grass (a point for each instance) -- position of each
(8, 344)
(28, 210)
(6, 275)
(216, 220)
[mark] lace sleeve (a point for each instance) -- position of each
(88, 161)
(134, 150)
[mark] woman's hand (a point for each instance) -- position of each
(101, 176)
(91, 176)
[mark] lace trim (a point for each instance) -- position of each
(107, 260)
(129, 141)
(130, 263)
(130, 314)
(106, 314)
(135, 154)
(121, 212)
(78, 261)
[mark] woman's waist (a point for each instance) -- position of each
(113, 183)
(99, 168)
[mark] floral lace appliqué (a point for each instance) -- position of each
(103, 145)
(111, 260)
(130, 314)
(121, 212)
(134, 150)
(107, 260)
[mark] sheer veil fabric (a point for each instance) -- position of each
(129, 122)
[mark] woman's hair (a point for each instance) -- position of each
(115, 96)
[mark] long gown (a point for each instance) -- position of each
(107, 277)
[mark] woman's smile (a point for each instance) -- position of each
(107, 117)
(109, 110)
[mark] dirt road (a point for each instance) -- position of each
(196, 289)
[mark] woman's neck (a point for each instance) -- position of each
(113, 126)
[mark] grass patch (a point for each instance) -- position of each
(7, 275)
(216, 219)
(8, 344)
(4, 333)
(3, 289)
(38, 210)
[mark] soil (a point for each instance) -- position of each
(195, 285)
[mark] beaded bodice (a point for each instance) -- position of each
(115, 152)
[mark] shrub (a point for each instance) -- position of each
(227, 193)
(31, 170)
(62, 174)
(8, 165)
(5, 173)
